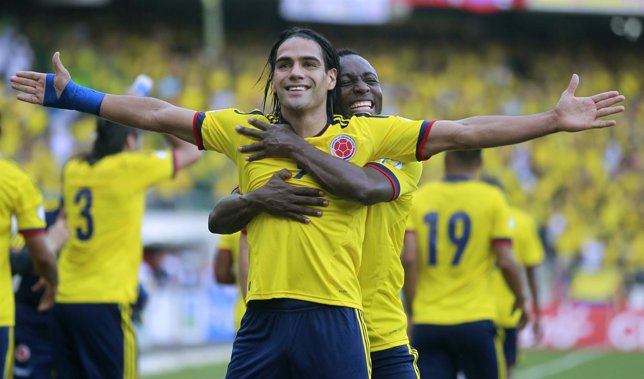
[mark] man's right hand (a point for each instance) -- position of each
(33, 85)
(281, 199)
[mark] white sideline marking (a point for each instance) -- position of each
(558, 365)
(168, 361)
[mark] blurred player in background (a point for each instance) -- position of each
(19, 198)
(226, 270)
(104, 199)
(33, 349)
(391, 184)
(529, 253)
(460, 228)
(320, 282)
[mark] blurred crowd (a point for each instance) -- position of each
(585, 190)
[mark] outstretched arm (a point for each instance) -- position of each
(534, 295)
(276, 197)
(571, 114)
(59, 91)
(341, 178)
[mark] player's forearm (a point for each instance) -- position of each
(232, 213)
(488, 131)
(342, 178)
(510, 271)
(43, 259)
(534, 289)
(150, 114)
(410, 265)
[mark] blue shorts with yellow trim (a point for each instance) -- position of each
(292, 339)
(6, 352)
(510, 346)
(400, 362)
(472, 347)
(93, 340)
(33, 354)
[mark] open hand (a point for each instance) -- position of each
(284, 200)
(32, 86)
(580, 113)
(274, 140)
(48, 298)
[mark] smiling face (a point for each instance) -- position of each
(359, 87)
(300, 79)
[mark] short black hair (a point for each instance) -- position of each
(329, 55)
(343, 52)
(467, 157)
(110, 139)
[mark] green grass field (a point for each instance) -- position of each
(579, 364)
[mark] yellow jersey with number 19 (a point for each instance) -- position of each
(456, 221)
(381, 274)
(528, 250)
(104, 203)
(20, 198)
(319, 261)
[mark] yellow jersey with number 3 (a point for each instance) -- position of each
(104, 203)
(381, 274)
(528, 250)
(456, 222)
(21, 199)
(319, 261)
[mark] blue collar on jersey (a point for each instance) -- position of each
(457, 178)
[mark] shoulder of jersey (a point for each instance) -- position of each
(344, 121)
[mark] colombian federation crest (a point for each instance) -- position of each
(343, 146)
(23, 353)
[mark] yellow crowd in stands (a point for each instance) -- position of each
(585, 186)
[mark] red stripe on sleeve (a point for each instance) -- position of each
(32, 232)
(196, 131)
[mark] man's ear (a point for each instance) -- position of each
(333, 76)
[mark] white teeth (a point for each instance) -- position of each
(361, 104)
(297, 88)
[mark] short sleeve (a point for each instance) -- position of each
(534, 253)
(503, 227)
(403, 177)
(215, 130)
(412, 220)
(29, 210)
(399, 138)
(226, 242)
(147, 169)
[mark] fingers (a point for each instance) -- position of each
(257, 146)
(24, 88)
(606, 95)
(27, 81)
(33, 99)
(58, 65)
(305, 191)
(40, 284)
(610, 110)
(609, 101)
(250, 132)
(30, 75)
(603, 123)
(283, 174)
(258, 124)
(297, 217)
(572, 86)
(256, 157)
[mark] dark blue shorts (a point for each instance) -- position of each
(6, 352)
(510, 344)
(473, 348)
(93, 341)
(33, 355)
(400, 362)
(292, 339)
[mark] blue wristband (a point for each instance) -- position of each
(74, 97)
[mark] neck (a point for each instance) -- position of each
(461, 172)
(306, 123)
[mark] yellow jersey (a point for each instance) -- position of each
(19, 198)
(529, 252)
(319, 261)
(104, 203)
(230, 242)
(456, 221)
(381, 275)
